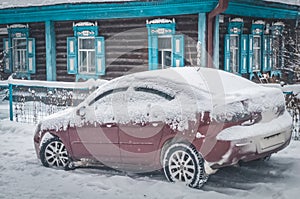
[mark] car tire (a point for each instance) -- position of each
(53, 153)
(182, 163)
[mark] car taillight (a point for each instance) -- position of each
(253, 119)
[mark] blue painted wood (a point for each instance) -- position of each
(156, 29)
(263, 10)
(72, 55)
(7, 55)
(265, 54)
(202, 38)
(250, 53)
(178, 51)
(30, 59)
(235, 27)
(153, 52)
(142, 9)
(105, 11)
(276, 73)
(244, 54)
(100, 55)
(227, 53)
(11, 113)
(85, 31)
(18, 32)
(50, 51)
(216, 43)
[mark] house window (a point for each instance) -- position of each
(86, 55)
(165, 47)
(277, 45)
(276, 52)
(234, 53)
(258, 49)
(164, 52)
(235, 47)
(19, 51)
(86, 51)
(256, 53)
(19, 54)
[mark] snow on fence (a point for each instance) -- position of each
(3, 89)
(30, 101)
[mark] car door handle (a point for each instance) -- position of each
(109, 125)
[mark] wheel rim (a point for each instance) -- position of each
(56, 154)
(181, 167)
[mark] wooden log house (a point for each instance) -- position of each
(103, 39)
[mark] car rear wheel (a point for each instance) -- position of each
(182, 163)
(54, 154)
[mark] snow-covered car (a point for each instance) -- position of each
(187, 122)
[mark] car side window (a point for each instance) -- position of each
(107, 94)
(154, 91)
(109, 106)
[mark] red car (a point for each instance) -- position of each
(186, 121)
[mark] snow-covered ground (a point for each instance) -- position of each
(23, 176)
(4, 113)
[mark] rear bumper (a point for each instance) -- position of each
(252, 142)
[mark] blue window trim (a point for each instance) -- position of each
(235, 28)
(23, 33)
(276, 31)
(256, 29)
(155, 30)
(83, 31)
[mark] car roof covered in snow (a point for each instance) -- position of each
(193, 90)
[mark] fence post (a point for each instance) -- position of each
(11, 114)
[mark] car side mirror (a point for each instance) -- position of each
(81, 111)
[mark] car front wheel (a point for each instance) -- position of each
(53, 153)
(182, 163)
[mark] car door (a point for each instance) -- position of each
(98, 136)
(139, 139)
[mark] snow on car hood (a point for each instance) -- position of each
(59, 121)
(195, 90)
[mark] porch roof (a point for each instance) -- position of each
(14, 11)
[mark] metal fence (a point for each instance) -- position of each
(30, 101)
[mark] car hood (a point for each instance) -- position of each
(58, 121)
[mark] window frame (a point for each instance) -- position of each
(235, 29)
(15, 55)
(277, 55)
(87, 51)
(163, 51)
(257, 68)
(159, 28)
(257, 31)
(235, 68)
(85, 30)
(19, 32)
